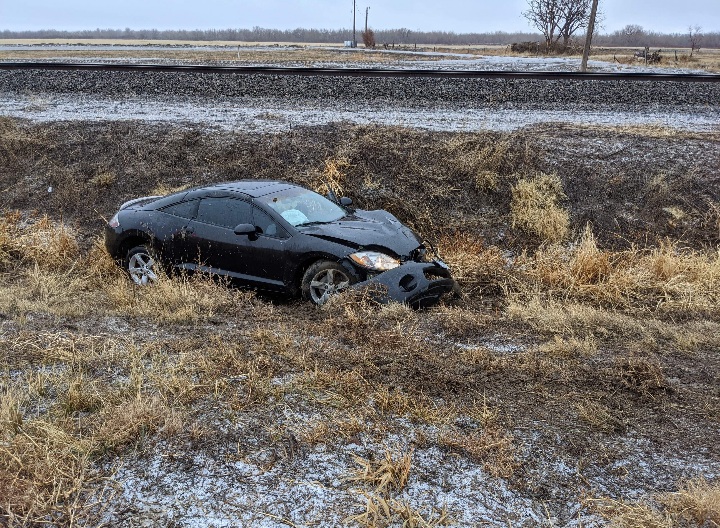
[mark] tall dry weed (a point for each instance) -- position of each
(388, 474)
(535, 208)
(50, 245)
(668, 277)
(333, 176)
(181, 299)
(695, 504)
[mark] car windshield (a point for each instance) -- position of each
(302, 207)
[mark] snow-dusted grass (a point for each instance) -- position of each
(281, 414)
(272, 115)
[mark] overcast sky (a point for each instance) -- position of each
(460, 16)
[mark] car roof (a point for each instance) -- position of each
(254, 188)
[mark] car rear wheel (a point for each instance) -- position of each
(141, 265)
(324, 279)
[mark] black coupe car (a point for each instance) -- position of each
(277, 237)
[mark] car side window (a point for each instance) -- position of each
(268, 226)
(182, 209)
(224, 212)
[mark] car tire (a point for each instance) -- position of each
(323, 279)
(142, 265)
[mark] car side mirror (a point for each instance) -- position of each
(244, 229)
(346, 201)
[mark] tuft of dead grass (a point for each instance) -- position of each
(177, 300)
(130, 421)
(535, 208)
(103, 179)
(480, 270)
(695, 504)
(382, 512)
(49, 245)
(492, 446)
(45, 475)
(386, 475)
(697, 501)
(333, 177)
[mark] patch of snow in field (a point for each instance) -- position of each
(309, 490)
(277, 116)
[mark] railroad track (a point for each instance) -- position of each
(359, 72)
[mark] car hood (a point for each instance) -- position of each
(364, 229)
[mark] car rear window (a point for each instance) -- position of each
(182, 209)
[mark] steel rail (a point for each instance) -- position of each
(358, 72)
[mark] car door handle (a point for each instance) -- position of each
(187, 231)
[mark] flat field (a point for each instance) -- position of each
(576, 382)
(327, 54)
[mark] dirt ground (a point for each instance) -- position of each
(575, 383)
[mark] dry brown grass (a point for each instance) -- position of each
(182, 299)
(40, 241)
(306, 55)
(491, 446)
(607, 340)
(45, 475)
(535, 208)
(386, 477)
(705, 59)
(388, 474)
(667, 279)
(381, 513)
(697, 501)
(695, 504)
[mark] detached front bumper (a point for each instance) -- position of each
(417, 284)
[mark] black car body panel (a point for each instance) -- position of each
(418, 284)
(195, 230)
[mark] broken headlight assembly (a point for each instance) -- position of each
(374, 260)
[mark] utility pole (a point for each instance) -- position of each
(354, 43)
(367, 10)
(588, 40)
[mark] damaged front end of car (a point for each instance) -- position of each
(417, 284)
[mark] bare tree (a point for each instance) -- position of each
(695, 38)
(545, 16)
(575, 15)
(558, 19)
(631, 35)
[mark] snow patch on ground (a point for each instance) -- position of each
(311, 489)
(275, 116)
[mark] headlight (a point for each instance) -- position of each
(374, 260)
(114, 221)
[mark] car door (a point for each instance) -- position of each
(253, 259)
(269, 266)
(216, 246)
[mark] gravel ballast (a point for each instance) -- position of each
(409, 92)
(276, 103)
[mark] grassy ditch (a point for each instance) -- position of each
(577, 344)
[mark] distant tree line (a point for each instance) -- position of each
(634, 35)
(631, 35)
(401, 36)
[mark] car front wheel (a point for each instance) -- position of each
(324, 279)
(141, 265)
